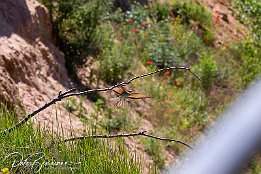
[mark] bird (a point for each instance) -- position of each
(123, 94)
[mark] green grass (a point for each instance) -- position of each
(29, 149)
(153, 148)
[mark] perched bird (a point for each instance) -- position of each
(124, 94)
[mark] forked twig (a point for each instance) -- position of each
(142, 133)
(71, 92)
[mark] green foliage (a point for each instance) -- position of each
(254, 165)
(113, 64)
(170, 44)
(157, 90)
(139, 14)
(207, 69)
(99, 105)
(143, 33)
(121, 40)
(115, 121)
(153, 148)
(160, 10)
(250, 60)
(192, 11)
(194, 105)
(31, 149)
(186, 43)
(249, 12)
(115, 124)
(160, 47)
(247, 62)
(74, 25)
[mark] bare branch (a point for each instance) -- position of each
(165, 69)
(132, 79)
(142, 133)
(53, 101)
(167, 139)
(71, 92)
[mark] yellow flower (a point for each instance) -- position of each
(5, 171)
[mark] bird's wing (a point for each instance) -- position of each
(138, 96)
(119, 90)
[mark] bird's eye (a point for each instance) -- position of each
(129, 90)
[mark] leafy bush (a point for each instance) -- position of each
(193, 105)
(250, 61)
(208, 70)
(191, 11)
(160, 10)
(146, 36)
(114, 57)
(249, 12)
(171, 45)
(74, 26)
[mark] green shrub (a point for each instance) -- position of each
(161, 42)
(207, 70)
(171, 44)
(160, 46)
(189, 12)
(157, 90)
(250, 59)
(74, 26)
(249, 12)
(194, 105)
(164, 43)
(114, 63)
(192, 11)
(160, 11)
(118, 51)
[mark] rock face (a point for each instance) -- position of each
(32, 70)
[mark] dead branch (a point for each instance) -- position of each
(132, 79)
(53, 101)
(71, 92)
(142, 133)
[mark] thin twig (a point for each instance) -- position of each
(71, 92)
(53, 101)
(167, 139)
(132, 79)
(165, 69)
(142, 133)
